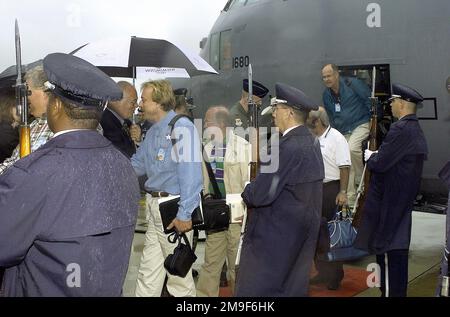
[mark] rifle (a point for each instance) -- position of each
(253, 109)
(363, 188)
(445, 283)
(22, 101)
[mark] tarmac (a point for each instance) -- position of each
(427, 242)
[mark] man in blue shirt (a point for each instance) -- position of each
(171, 170)
(347, 103)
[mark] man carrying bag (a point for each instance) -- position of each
(171, 170)
(229, 157)
(336, 158)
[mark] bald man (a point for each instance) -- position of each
(116, 123)
(337, 162)
(229, 156)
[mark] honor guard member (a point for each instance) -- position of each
(239, 112)
(183, 105)
(168, 174)
(396, 169)
(283, 227)
(68, 210)
(444, 278)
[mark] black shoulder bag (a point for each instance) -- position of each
(216, 212)
(180, 262)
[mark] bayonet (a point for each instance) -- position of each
(22, 100)
(18, 56)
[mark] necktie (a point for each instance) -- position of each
(126, 127)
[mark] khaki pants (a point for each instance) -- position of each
(355, 140)
(152, 273)
(219, 246)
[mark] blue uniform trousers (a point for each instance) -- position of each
(397, 273)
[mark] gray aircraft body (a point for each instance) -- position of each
(291, 40)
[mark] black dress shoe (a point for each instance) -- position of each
(334, 285)
(318, 279)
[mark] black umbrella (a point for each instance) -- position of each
(120, 57)
(8, 76)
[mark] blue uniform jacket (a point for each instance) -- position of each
(445, 176)
(396, 172)
(67, 217)
(283, 227)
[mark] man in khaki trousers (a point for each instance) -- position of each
(229, 157)
(347, 103)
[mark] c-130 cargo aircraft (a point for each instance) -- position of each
(291, 40)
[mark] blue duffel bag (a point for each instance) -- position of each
(342, 236)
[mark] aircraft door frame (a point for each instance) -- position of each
(382, 90)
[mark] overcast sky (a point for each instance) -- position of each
(48, 26)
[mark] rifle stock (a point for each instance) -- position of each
(25, 141)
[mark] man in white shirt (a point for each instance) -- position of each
(336, 158)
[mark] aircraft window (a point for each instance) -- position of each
(214, 51)
(225, 50)
(227, 6)
(239, 3)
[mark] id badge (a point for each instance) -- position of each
(337, 107)
(160, 156)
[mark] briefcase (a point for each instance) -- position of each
(168, 208)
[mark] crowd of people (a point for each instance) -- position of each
(69, 209)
